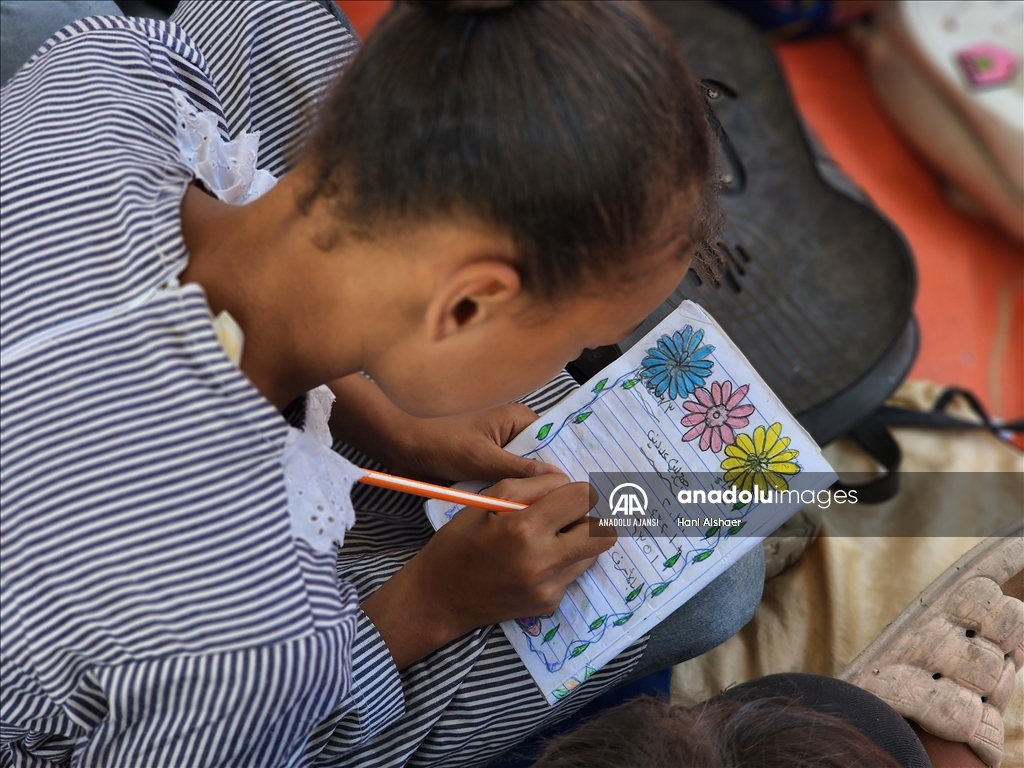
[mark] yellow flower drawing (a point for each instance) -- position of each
(762, 460)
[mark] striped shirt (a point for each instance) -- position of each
(156, 608)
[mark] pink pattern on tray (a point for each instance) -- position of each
(987, 64)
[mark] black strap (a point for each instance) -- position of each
(877, 441)
(874, 437)
(893, 416)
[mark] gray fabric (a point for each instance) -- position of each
(27, 24)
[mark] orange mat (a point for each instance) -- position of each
(364, 13)
(970, 301)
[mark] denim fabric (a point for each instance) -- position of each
(711, 617)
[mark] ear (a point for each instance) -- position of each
(471, 294)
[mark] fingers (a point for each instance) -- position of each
(557, 508)
(527, 490)
(516, 418)
(563, 506)
(499, 464)
(534, 467)
(518, 563)
(580, 544)
(578, 568)
(559, 583)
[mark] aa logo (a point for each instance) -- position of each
(629, 499)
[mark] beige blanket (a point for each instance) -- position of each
(823, 611)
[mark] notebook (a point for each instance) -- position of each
(695, 461)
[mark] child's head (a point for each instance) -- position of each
(566, 140)
(763, 733)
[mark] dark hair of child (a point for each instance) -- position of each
(724, 733)
(514, 114)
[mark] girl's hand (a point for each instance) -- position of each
(486, 567)
(467, 447)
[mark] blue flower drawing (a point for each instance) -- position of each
(678, 365)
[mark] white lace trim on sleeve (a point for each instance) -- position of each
(228, 168)
(317, 480)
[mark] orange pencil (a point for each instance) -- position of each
(431, 491)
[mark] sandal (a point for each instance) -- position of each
(949, 661)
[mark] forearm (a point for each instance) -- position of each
(364, 418)
(410, 622)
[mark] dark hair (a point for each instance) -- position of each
(575, 127)
(723, 733)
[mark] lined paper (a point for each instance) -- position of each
(630, 418)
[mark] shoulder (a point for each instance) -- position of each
(95, 76)
(270, 62)
(100, 57)
(90, 170)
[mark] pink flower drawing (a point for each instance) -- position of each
(715, 414)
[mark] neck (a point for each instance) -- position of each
(259, 263)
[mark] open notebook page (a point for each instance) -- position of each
(682, 405)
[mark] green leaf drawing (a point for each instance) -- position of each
(551, 633)
(736, 528)
(634, 594)
(596, 623)
(544, 431)
(620, 621)
(600, 385)
(738, 505)
(578, 650)
(588, 672)
(711, 532)
(672, 560)
(702, 556)
(582, 417)
(560, 692)
(630, 384)
(655, 591)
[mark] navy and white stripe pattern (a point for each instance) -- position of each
(156, 610)
(273, 60)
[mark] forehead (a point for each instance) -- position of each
(611, 308)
